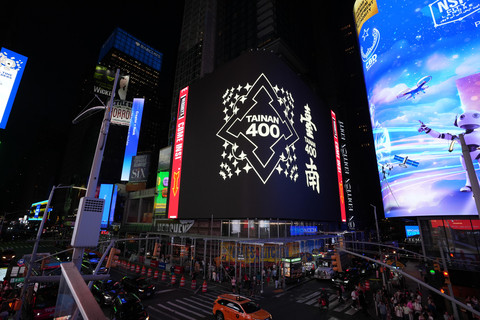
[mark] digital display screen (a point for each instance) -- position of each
(12, 66)
(256, 143)
(412, 231)
(133, 136)
(106, 193)
(302, 230)
(421, 64)
(161, 193)
(37, 210)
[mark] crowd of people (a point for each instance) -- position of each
(406, 305)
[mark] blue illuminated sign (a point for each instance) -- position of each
(133, 135)
(412, 231)
(12, 66)
(114, 202)
(421, 67)
(302, 230)
(106, 191)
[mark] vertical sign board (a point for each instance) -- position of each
(114, 202)
(106, 191)
(421, 64)
(132, 138)
(12, 66)
(177, 155)
(339, 168)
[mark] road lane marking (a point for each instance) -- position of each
(208, 311)
(175, 312)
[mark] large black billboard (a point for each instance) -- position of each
(257, 143)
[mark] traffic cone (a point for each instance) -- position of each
(194, 284)
(143, 270)
(132, 267)
(164, 276)
(182, 282)
(174, 279)
(204, 287)
(155, 274)
(138, 269)
(149, 273)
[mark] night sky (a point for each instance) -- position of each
(62, 45)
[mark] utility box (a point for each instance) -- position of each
(87, 224)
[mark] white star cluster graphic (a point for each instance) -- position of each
(234, 160)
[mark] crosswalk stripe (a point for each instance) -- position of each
(308, 297)
(200, 299)
(183, 308)
(343, 307)
(351, 312)
(163, 313)
(202, 304)
(194, 307)
(175, 312)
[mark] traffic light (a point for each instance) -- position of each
(113, 257)
(446, 277)
(336, 262)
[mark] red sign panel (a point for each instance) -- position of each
(339, 168)
(177, 155)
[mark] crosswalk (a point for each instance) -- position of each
(193, 307)
(311, 299)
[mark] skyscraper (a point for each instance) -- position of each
(317, 41)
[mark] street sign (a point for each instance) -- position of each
(16, 280)
(21, 262)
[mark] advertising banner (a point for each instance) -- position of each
(161, 193)
(12, 66)
(178, 154)
(133, 136)
(139, 169)
(104, 79)
(421, 63)
(257, 141)
(121, 113)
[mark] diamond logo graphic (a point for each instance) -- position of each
(258, 134)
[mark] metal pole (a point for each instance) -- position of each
(450, 289)
(77, 254)
(379, 241)
(34, 253)
(421, 240)
(204, 258)
(471, 172)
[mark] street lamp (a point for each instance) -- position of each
(37, 241)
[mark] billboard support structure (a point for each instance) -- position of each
(471, 172)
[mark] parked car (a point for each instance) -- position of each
(233, 307)
(138, 285)
(347, 279)
(105, 291)
(128, 306)
(6, 257)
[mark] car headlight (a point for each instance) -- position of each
(141, 290)
(346, 281)
(107, 297)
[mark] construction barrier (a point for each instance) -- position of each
(143, 271)
(204, 287)
(174, 279)
(149, 273)
(164, 276)
(367, 285)
(182, 282)
(132, 267)
(194, 284)
(155, 275)
(138, 269)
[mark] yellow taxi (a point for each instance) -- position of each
(233, 307)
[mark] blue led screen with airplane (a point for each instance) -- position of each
(421, 64)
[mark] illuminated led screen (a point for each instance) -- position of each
(108, 192)
(12, 66)
(421, 63)
(411, 231)
(37, 210)
(133, 136)
(256, 143)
